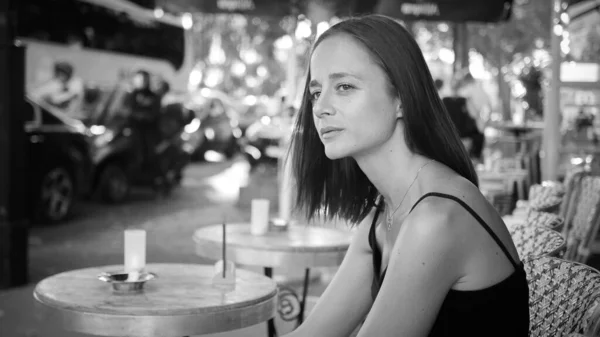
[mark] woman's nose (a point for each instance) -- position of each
(322, 107)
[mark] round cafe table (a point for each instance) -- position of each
(299, 246)
(180, 301)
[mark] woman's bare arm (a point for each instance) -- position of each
(346, 301)
(424, 264)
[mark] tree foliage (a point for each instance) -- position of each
(239, 34)
(528, 28)
(591, 48)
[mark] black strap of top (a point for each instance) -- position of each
(373, 241)
(476, 216)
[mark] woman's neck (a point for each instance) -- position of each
(391, 168)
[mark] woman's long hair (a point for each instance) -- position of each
(339, 188)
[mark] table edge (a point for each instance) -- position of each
(43, 299)
(287, 249)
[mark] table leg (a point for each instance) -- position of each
(271, 331)
(304, 293)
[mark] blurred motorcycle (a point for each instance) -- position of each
(133, 151)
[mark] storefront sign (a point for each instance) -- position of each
(580, 72)
(236, 5)
(447, 10)
(248, 7)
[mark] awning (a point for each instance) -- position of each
(409, 10)
(442, 10)
(276, 8)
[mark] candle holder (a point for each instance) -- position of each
(279, 225)
(123, 282)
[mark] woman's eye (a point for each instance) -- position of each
(344, 87)
(315, 95)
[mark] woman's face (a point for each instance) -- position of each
(353, 110)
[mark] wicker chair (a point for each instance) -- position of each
(573, 190)
(564, 297)
(585, 221)
(564, 190)
(571, 182)
(534, 241)
(544, 219)
(546, 188)
(536, 218)
(547, 197)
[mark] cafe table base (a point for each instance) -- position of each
(290, 307)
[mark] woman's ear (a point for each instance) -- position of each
(399, 111)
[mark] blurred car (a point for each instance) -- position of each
(59, 160)
(219, 125)
(251, 114)
(263, 141)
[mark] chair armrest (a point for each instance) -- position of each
(594, 324)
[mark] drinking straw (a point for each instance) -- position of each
(224, 247)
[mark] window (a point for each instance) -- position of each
(83, 24)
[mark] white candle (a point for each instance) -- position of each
(135, 250)
(259, 223)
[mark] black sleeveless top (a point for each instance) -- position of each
(499, 310)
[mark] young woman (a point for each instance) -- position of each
(373, 144)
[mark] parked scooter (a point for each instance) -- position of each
(139, 146)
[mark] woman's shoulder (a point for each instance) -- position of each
(431, 220)
(448, 210)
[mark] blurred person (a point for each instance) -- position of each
(373, 145)
(145, 102)
(163, 91)
(466, 114)
(584, 125)
(64, 91)
(145, 109)
(478, 101)
(472, 138)
(463, 121)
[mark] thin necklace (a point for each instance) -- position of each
(390, 217)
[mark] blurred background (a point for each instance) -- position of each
(168, 115)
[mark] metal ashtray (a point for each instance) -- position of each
(126, 282)
(279, 225)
